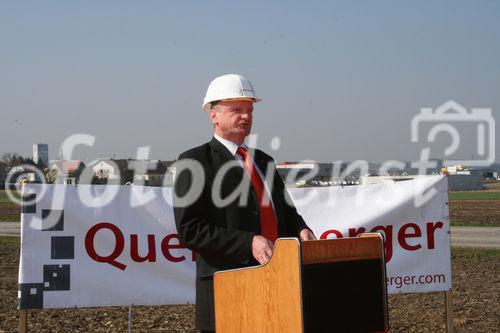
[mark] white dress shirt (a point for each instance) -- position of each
(233, 147)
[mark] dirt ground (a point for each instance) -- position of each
(475, 212)
(476, 291)
(492, 185)
(10, 212)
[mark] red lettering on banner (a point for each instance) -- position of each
(134, 249)
(431, 228)
(119, 245)
(353, 232)
(173, 242)
(329, 232)
(387, 239)
(406, 231)
(403, 235)
(166, 246)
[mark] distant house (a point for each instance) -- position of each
(104, 168)
(66, 172)
(114, 170)
(128, 171)
(148, 172)
(153, 172)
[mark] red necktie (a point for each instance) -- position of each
(268, 223)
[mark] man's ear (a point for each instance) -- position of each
(214, 117)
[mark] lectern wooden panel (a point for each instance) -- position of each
(263, 298)
(335, 285)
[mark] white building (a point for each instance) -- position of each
(312, 173)
(66, 172)
(41, 153)
(109, 168)
(461, 180)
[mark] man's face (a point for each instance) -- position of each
(232, 119)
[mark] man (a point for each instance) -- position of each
(240, 204)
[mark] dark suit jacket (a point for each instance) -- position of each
(222, 236)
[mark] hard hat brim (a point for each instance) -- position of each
(207, 106)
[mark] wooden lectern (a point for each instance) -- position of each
(334, 285)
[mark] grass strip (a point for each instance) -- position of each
(483, 195)
(473, 252)
(10, 218)
(9, 240)
(4, 198)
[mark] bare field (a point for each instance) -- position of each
(476, 287)
(478, 212)
(492, 185)
(475, 212)
(10, 212)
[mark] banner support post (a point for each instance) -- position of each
(449, 311)
(23, 320)
(23, 313)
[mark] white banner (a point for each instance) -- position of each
(94, 245)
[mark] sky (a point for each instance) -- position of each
(340, 80)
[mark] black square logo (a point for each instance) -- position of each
(56, 277)
(28, 204)
(52, 220)
(30, 295)
(62, 247)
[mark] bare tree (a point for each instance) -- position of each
(14, 159)
(51, 175)
(11, 159)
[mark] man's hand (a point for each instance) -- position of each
(262, 249)
(306, 234)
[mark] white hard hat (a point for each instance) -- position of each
(229, 86)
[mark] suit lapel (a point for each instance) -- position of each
(221, 156)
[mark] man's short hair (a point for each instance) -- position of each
(213, 104)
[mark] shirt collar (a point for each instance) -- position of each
(231, 146)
